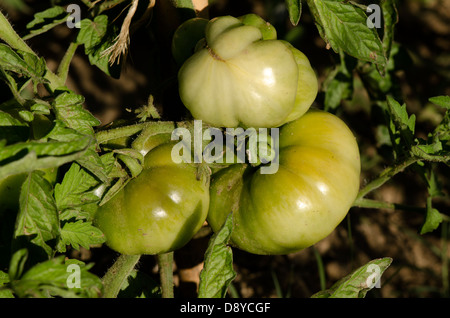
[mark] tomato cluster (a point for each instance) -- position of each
(234, 72)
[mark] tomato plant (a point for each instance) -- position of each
(93, 94)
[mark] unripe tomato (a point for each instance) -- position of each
(158, 211)
(313, 189)
(244, 77)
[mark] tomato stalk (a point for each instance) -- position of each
(63, 68)
(117, 274)
(124, 132)
(375, 204)
(385, 176)
(165, 263)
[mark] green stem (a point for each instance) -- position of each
(385, 176)
(63, 68)
(10, 36)
(375, 204)
(320, 268)
(165, 263)
(422, 155)
(117, 274)
(103, 136)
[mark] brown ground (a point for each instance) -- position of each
(418, 269)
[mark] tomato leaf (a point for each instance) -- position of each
(24, 65)
(433, 217)
(78, 234)
(442, 131)
(52, 148)
(46, 20)
(402, 126)
(38, 217)
(358, 283)
(74, 190)
(79, 187)
(390, 17)
(432, 220)
(443, 101)
(295, 10)
(5, 292)
(401, 118)
(218, 271)
(57, 277)
(60, 146)
(69, 109)
(339, 84)
(17, 263)
(92, 32)
(344, 27)
(96, 37)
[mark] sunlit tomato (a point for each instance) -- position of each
(158, 211)
(311, 192)
(240, 75)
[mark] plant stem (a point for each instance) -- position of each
(385, 176)
(117, 274)
(375, 204)
(116, 133)
(10, 36)
(126, 131)
(320, 268)
(165, 263)
(63, 68)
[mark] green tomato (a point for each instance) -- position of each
(303, 201)
(245, 77)
(158, 211)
